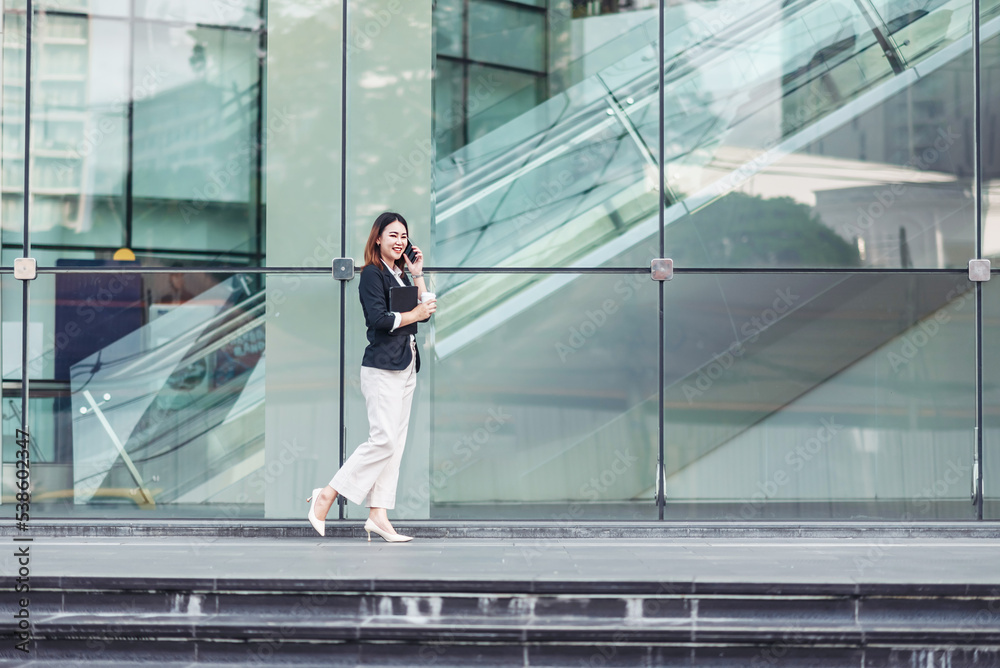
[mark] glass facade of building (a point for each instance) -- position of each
(821, 172)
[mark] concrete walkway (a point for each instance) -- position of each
(839, 561)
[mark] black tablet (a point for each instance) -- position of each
(403, 298)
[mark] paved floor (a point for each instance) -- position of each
(791, 560)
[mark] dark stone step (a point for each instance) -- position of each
(554, 587)
(230, 628)
(620, 654)
(596, 615)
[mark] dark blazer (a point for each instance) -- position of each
(386, 350)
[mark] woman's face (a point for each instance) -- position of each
(392, 241)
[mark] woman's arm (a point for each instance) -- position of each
(420, 314)
(372, 292)
(421, 289)
(417, 274)
(418, 281)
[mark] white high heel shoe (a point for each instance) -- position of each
(371, 527)
(317, 523)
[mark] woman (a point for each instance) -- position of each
(388, 376)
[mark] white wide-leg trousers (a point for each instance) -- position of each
(372, 470)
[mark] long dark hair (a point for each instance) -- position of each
(372, 253)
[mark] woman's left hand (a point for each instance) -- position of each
(416, 267)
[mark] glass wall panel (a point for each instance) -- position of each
(546, 133)
(449, 112)
(991, 399)
(820, 396)
(41, 324)
(12, 129)
(145, 132)
(583, 8)
(990, 182)
(118, 8)
(303, 107)
(232, 13)
(389, 85)
(10, 400)
(448, 27)
(152, 397)
(195, 147)
(819, 134)
(506, 35)
(990, 144)
(303, 135)
(11, 301)
(543, 407)
(79, 133)
(505, 94)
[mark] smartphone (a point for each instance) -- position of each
(409, 252)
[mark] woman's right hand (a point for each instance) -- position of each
(425, 309)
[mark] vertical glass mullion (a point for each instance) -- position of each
(978, 209)
(257, 198)
(28, 21)
(660, 472)
(465, 70)
(978, 481)
(129, 123)
(341, 503)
